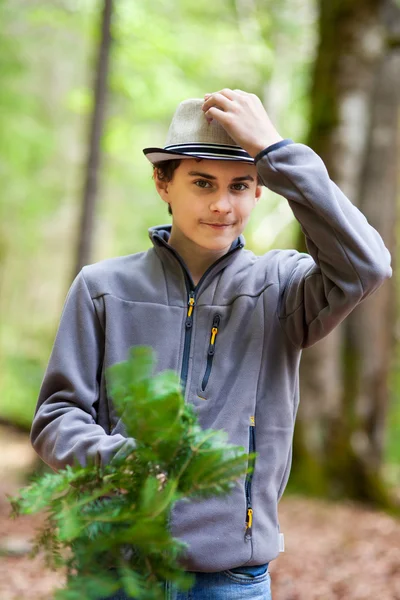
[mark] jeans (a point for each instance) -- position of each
(233, 584)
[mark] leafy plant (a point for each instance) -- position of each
(109, 524)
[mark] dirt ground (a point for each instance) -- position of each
(332, 551)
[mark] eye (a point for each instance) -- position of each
(244, 187)
(200, 183)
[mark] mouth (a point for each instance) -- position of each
(218, 225)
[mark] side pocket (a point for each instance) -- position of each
(249, 506)
(211, 351)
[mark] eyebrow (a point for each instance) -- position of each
(208, 176)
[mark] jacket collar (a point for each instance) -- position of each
(159, 236)
(160, 233)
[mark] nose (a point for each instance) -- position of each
(221, 203)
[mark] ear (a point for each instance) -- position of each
(162, 187)
(258, 193)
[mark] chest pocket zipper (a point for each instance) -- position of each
(211, 351)
(249, 508)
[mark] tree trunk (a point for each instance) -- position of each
(95, 133)
(354, 128)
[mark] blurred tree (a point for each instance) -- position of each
(96, 128)
(354, 127)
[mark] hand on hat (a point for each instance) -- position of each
(243, 117)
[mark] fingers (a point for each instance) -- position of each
(224, 99)
(222, 104)
(219, 115)
(217, 100)
(221, 101)
(227, 92)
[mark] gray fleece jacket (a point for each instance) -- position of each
(236, 340)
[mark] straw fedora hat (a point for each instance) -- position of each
(191, 136)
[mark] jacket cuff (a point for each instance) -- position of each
(275, 146)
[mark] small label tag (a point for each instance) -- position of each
(281, 543)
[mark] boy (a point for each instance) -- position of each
(231, 323)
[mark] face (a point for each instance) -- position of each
(211, 201)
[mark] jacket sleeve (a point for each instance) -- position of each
(347, 258)
(64, 429)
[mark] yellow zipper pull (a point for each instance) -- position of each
(191, 306)
(214, 332)
(191, 303)
(249, 523)
(249, 517)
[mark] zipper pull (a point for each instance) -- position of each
(214, 333)
(249, 523)
(191, 305)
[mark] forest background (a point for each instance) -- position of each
(328, 73)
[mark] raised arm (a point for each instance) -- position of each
(348, 259)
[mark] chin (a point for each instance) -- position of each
(217, 245)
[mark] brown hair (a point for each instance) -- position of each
(166, 168)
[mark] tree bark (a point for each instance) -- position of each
(354, 128)
(89, 200)
(369, 329)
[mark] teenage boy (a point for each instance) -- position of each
(232, 324)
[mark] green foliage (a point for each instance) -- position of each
(116, 516)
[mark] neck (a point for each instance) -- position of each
(197, 259)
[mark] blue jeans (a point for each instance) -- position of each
(234, 584)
